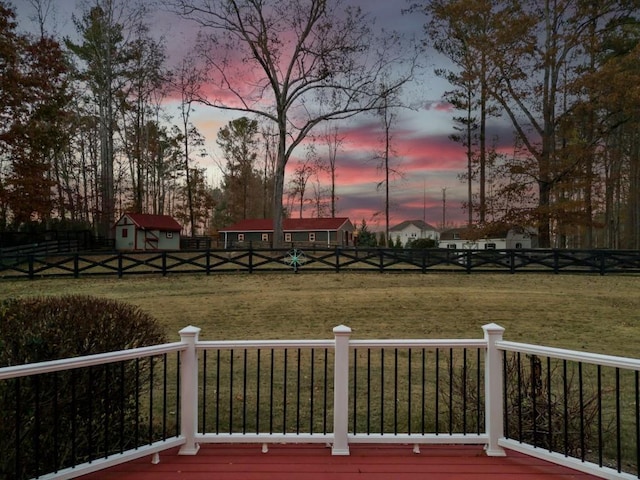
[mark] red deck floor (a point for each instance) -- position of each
(314, 462)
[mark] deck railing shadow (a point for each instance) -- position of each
(577, 409)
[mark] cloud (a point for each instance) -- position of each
(438, 106)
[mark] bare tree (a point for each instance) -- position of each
(333, 141)
(298, 184)
(296, 63)
(188, 78)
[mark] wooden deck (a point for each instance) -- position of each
(314, 462)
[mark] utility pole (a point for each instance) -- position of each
(444, 207)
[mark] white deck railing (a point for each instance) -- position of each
(491, 368)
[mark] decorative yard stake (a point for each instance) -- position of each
(295, 258)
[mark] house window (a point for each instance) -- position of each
(452, 246)
(169, 234)
(265, 237)
(456, 236)
(287, 237)
(518, 245)
(312, 236)
(241, 237)
(125, 232)
(490, 246)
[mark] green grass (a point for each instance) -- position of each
(583, 312)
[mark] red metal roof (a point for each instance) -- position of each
(288, 225)
(154, 222)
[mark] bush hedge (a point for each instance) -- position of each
(74, 414)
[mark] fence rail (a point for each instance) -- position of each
(313, 259)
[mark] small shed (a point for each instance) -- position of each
(411, 230)
(316, 231)
(145, 232)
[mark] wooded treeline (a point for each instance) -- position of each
(546, 95)
(86, 132)
(563, 76)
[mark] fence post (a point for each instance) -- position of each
(341, 391)
(189, 390)
(493, 393)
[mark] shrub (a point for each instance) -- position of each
(70, 412)
(422, 243)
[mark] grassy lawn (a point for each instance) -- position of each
(583, 312)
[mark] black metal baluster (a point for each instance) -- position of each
(599, 406)
(424, 391)
(231, 391)
(437, 392)
(395, 391)
(122, 405)
(258, 368)
(218, 368)
(618, 423)
(519, 365)
(382, 391)
(17, 428)
(164, 397)
(151, 397)
(637, 412)
(177, 415)
(533, 373)
(565, 388)
(583, 453)
(409, 392)
(204, 392)
(479, 393)
(244, 393)
(326, 390)
(271, 392)
(368, 391)
(36, 423)
(355, 389)
(464, 391)
(298, 394)
(450, 391)
(549, 405)
(284, 392)
(74, 417)
(137, 406)
(106, 399)
(311, 392)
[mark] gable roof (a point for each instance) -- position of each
(420, 224)
(289, 225)
(154, 222)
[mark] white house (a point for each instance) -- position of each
(410, 230)
(141, 231)
(512, 238)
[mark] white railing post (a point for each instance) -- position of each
(341, 391)
(189, 390)
(493, 396)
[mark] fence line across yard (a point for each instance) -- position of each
(316, 259)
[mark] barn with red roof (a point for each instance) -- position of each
(321, 232)
(146, 232)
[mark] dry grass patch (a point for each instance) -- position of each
(593, 313)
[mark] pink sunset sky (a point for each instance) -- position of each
(429, 161)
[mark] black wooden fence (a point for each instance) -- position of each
(315, 259)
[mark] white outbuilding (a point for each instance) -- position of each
(145, 232)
